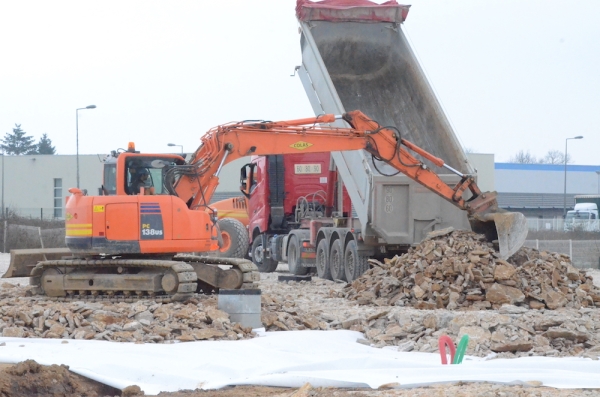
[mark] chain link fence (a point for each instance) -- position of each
(546, 224)
(45, 214)
(22, 232)
(583, 253)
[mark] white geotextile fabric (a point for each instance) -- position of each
(323, 358)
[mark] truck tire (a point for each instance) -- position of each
(322, 260)
(235, 238)
(336, 261)
(354, 263)
(294, 258)
(265, 265)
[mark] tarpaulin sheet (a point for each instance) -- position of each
(288, 359)
(351, 10)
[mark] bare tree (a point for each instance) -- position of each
(523, 157)
(555, 157)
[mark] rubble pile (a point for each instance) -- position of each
(143, 321)
(511, 331)
(554, 311)
(279, 314)
(459, 270)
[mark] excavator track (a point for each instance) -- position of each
(130, 280)
(107, 279)
(250, 273)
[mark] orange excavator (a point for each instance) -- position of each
(131, 244)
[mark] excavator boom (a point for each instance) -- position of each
(228, 142)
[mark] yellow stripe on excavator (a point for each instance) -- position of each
(82, 232)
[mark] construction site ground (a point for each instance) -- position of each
(316, 304)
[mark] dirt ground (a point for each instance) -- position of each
(28, 378)
(31, 379)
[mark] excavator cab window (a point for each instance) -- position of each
(147, 172)
(140, 175)
(109, 187)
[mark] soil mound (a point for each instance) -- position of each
(29, 378)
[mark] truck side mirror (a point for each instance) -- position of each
(247, 182)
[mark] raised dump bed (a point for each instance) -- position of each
(357, 57)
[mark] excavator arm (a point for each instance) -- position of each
(222, 144)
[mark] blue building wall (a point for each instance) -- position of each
(547, 178)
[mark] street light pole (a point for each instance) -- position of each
(172, 144)
(2, 183)
(565, 192)
(77, 135)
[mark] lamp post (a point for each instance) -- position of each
(172, 144)
(2, 184)
(565, 192)
(77, 135)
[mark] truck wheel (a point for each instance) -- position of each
(323, 268)
(235, 238)
(265, 265)
(336, 261)
(294, 259)
(354, 263)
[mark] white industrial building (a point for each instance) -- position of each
(36, 185)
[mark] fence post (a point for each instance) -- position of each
(537, 244)
(42, 242)
(41, 214)
(4, 242)
(571, 249)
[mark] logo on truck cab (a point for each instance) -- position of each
(301, 145)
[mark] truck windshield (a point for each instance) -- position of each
(573, 216)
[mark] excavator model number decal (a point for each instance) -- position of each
(151, 222)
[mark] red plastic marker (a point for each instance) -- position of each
(444, 342)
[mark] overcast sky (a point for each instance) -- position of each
(510, 74)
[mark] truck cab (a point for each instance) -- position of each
(584, 217)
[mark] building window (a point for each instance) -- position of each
(58, 200)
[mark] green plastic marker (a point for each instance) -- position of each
(461, 349)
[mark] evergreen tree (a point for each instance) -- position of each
(44, 146)
(18, 143)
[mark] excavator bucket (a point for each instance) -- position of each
(23, 260)
(508, 228)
